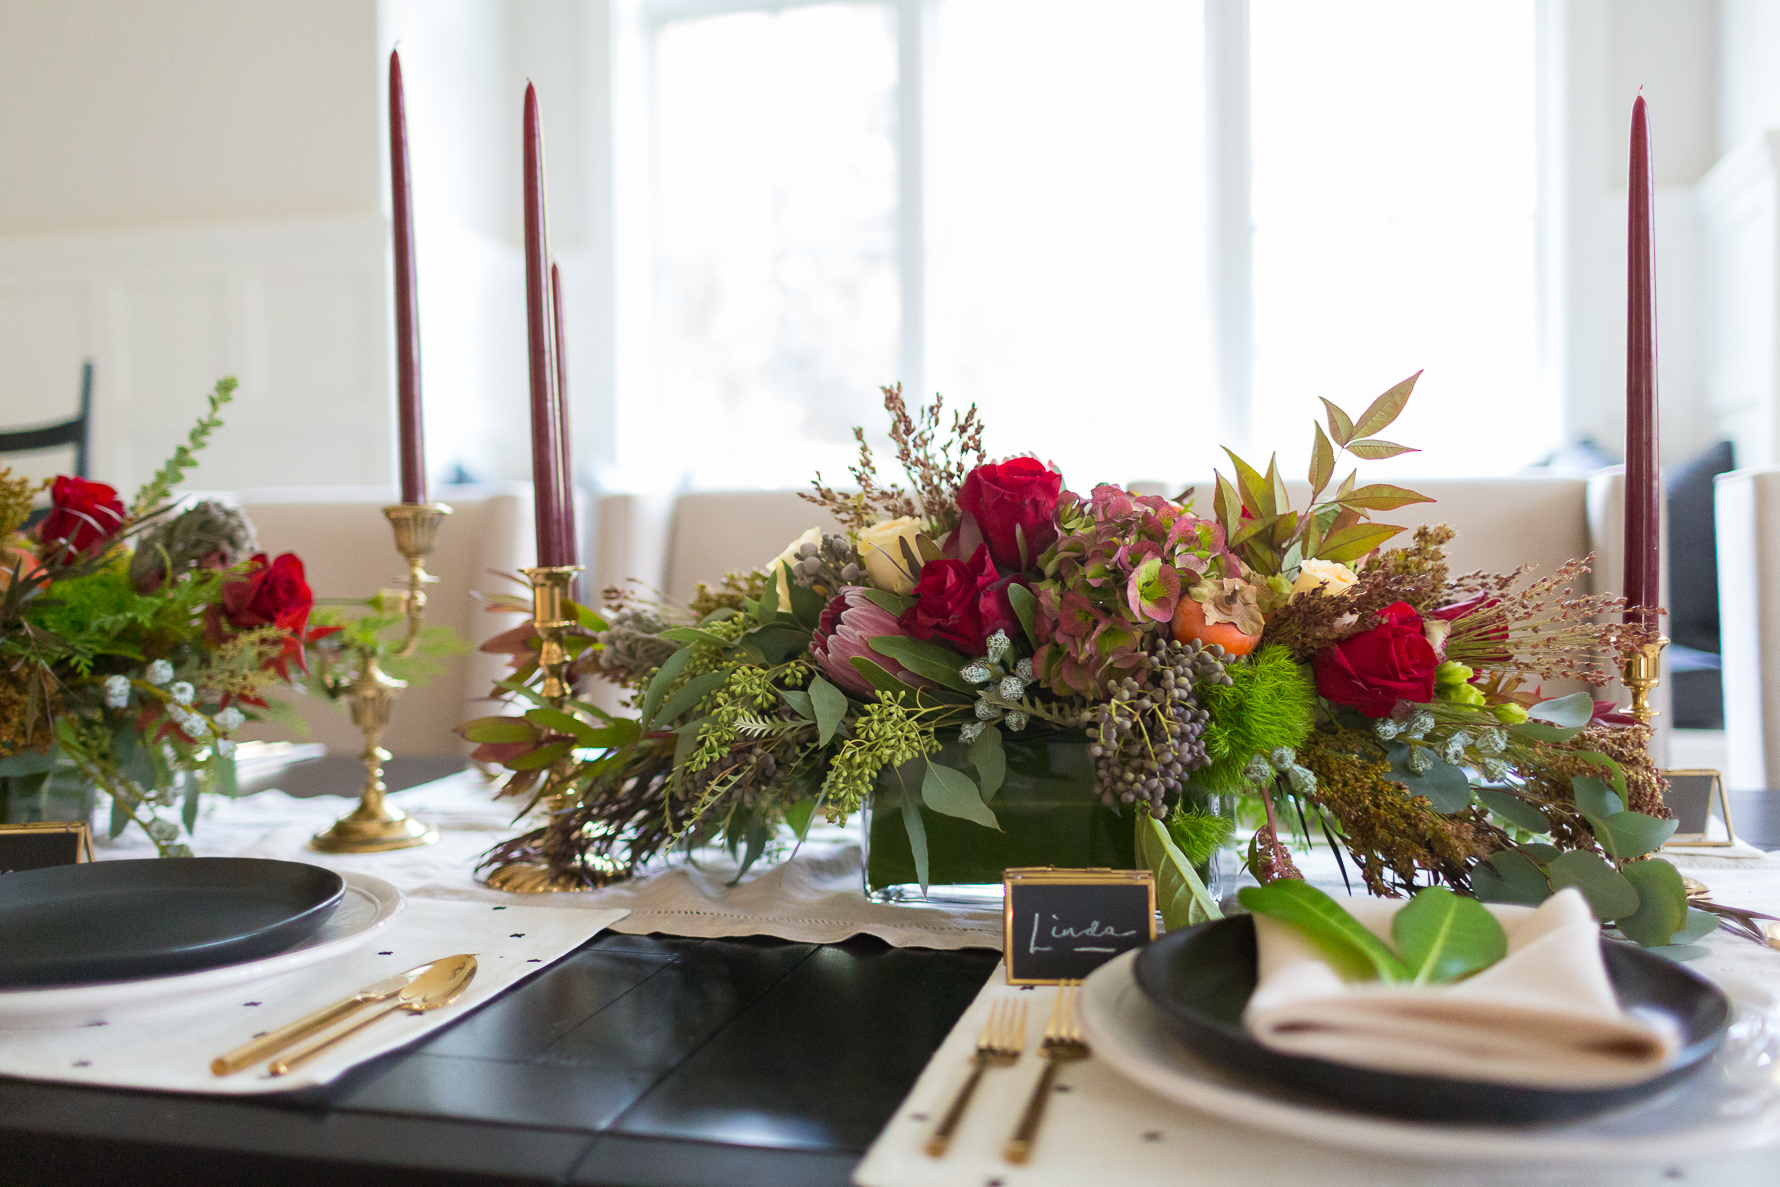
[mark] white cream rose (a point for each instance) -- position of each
(880, 547)
(1332, 577)
(790, 557)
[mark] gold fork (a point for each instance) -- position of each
(1062, 1043)
(1002, 1040)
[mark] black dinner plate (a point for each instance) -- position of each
(1201, 978)
(119, 920)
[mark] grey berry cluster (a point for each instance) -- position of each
(829, 565)
(1148, 736)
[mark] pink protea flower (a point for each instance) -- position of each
(849, 623)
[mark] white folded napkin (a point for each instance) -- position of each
(1545, 1015)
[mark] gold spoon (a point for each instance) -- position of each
(439, 986)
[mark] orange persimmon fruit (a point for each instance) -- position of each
(1189, 623)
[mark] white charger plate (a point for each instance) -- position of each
(365, 909)
(1732, 1104)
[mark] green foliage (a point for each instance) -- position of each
(1270, 703)
(1440, 936)
(1443, 937)
(100, 614)
(1180, 895)
(1356, 953)
(160, 487)
(1199, 834)
(887, 733)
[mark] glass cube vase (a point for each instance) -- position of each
(1047, 808)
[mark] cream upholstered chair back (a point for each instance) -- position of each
(348, 550)
(1747, 504)
(672, 544)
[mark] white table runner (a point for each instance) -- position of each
(813, 898)
(172, 1052)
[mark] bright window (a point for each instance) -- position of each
(1393, 196)
(1044, 217)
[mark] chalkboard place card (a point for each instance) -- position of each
(45, 843)
(1061, 925)
(1691, 799)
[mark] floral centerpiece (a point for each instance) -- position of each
(1263, 665)
(134, 640)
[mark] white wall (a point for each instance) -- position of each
(192, 189)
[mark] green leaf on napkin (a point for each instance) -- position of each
(1355, 952)
(1444, 937)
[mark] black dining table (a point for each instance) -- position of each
(636, 1061)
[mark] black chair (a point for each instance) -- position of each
(69, 432)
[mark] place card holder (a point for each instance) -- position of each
(1060, 925)
(44, 843)
(1690, 797)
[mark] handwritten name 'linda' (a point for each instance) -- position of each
(1094, 931)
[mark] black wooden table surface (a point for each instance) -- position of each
(637, 1060)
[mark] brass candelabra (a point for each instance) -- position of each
(1641, 674)
(374, 826)
(558, 870)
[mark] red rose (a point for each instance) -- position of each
(83, 515)
(272, 594)
(1021, 494)
(1375, 669)
(959, 602)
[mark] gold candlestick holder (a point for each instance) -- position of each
(374, 826)
(555, 871)
(1641, 674)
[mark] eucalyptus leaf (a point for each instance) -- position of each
(894, 603)
(692, 634)
(1356, 953)
(1539, 853)
(1699, 925)
(1608, 892)
(499, 730)
(778, 642)
(120, 817)
(917, 831)
(188, 812)
(799, 815)
(1627, 835)
(952, 793)
(1446, 786)
(879, 679)
(1509, 877)
(990, 761)
(830, 704)
(1570, 712)
(800, 702)
(688, 695)
(658, 685)
(1513, 809)
(923, 658)
(806, 605)
(542, 757)
(767, 608)
(1594, 798)
(1442, 936)
(1662, 903)
(1615, 773)
(1025, 607)
(1180, 895)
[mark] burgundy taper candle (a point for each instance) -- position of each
(408, 417)
(566, 471)
(555, 512)
(1642, 492)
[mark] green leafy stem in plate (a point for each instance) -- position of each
(1440, 936)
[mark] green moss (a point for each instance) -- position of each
(1271, 702)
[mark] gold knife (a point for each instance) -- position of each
(277, 1040)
